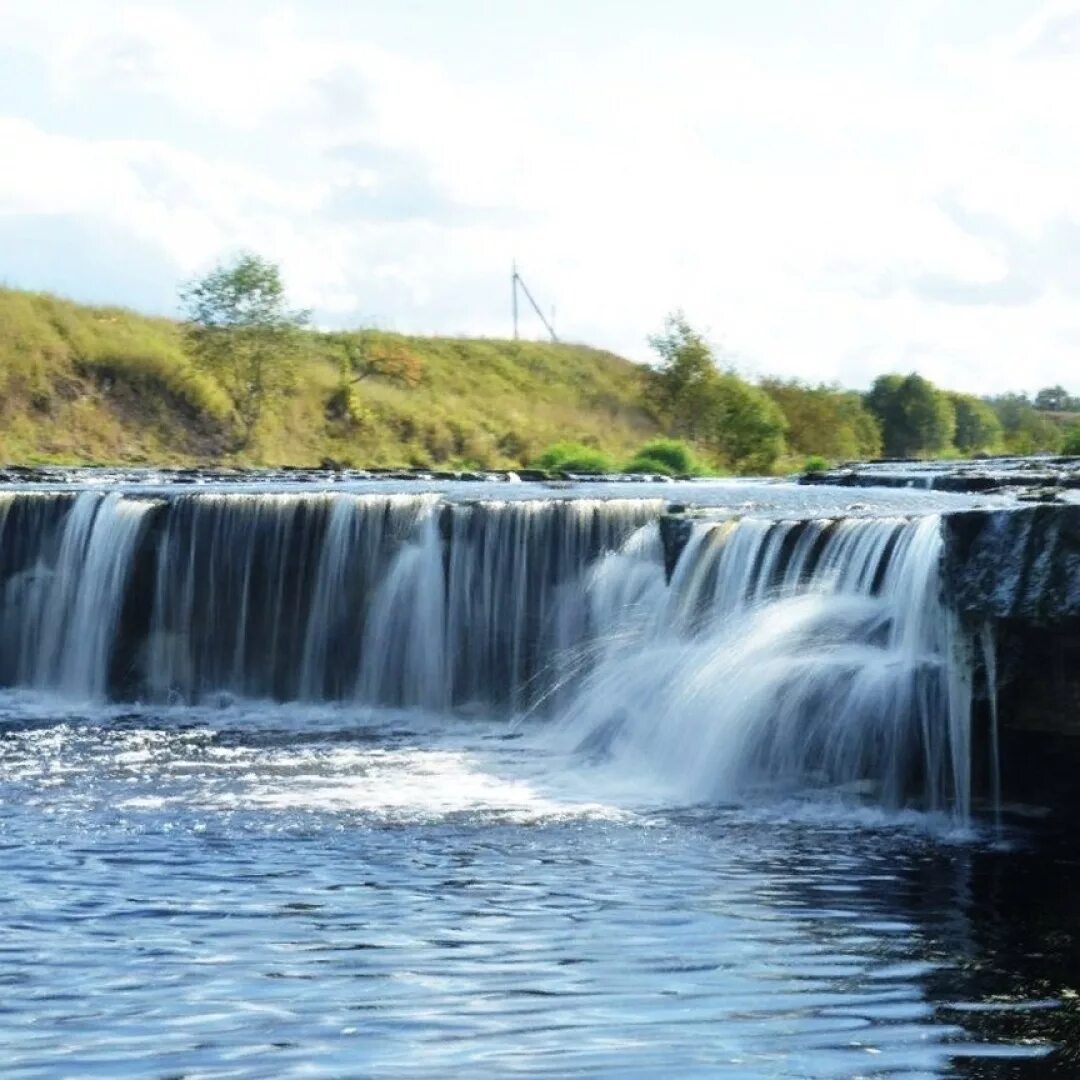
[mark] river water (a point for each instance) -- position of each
(203, 883)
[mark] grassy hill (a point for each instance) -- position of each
(104, 385)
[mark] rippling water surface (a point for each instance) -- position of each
(264, 891)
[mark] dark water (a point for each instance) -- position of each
(273, 891)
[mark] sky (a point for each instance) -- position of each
(830, 189)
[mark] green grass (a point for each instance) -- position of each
(82, 384)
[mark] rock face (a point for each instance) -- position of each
(1017, 574)
(1015, 564)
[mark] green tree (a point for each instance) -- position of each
(916, 417)
(738, 424)
(1027, 430)
(240, 330)
(746, 427)
(825, 421)
(977, 425)
(682, 383)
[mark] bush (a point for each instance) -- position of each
(1071, 445)
(815, 464)
(642, 464)
(575, 457)
(670, 457)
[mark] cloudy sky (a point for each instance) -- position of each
(833, 188)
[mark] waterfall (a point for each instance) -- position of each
(752, 653)
(404, 648)
(61, 619)
(402, 600)
(791, 654)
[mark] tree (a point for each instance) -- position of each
(375, 355)
(977, 425)
(916, 417)
(1027, 430)
(745, 430)
(682, 383)
(739, 424)
(368, 355)
(241, 331)
(825, 420)
(1056, 399)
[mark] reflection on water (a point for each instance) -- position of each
(261, 892)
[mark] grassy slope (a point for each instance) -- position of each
(81, 384)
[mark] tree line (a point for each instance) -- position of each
(755, 428)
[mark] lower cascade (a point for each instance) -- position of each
(746, 653)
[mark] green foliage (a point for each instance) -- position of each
(917, 419)
(82, 384)
(1071, 443)
(575, 457)
(746, 431)
(682, 387)
(1027, 430)
(977, 425)
(240, 330)
(825, 420)
(376, 355)
(739, 425)
(815, 464)
(668, 457)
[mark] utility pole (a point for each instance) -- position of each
(513, 293)
(516, 282)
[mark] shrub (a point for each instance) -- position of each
(1071, 445)
(815, 464)
(575, 457)
(671, 457)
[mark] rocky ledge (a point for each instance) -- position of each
(326, 472)
(1037, 479)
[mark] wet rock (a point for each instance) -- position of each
(1041, 495)
(675, 529)
(1019, 564)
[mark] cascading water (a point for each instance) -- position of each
(60, 619)
(759, 653)
(782, 654)
(397, 600)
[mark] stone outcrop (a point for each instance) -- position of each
(1047, 478)
(1015, 564)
